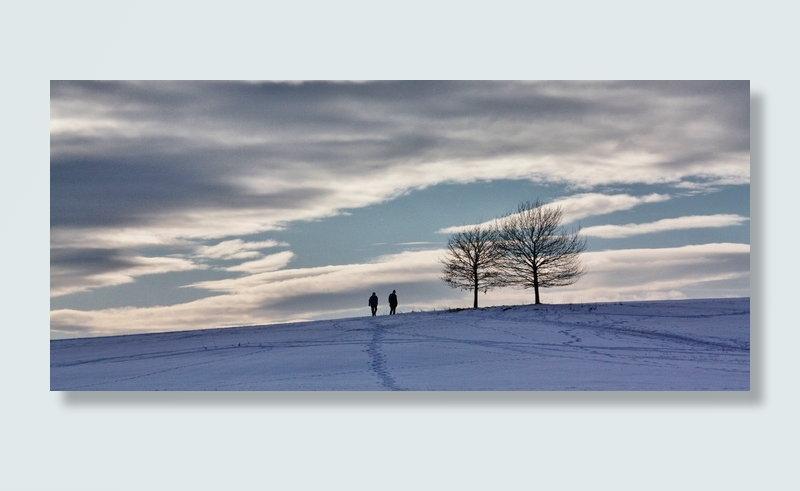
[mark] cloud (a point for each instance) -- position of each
(76, 270)
(273, 262)
(640, 274)
(667, 224)
(401, 267)
(693, 271)
(413, 243)
(336, 291)
(270, 297)
(165, 160)
(581, 206)
(236, 249)
(593, 204)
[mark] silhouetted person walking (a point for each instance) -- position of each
(373, 303)
(392, 302)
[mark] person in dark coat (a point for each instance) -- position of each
(373, 303)
(392, 302)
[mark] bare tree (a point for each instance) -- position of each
(539, 252)
(473, 260)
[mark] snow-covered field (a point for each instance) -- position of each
(664, 345)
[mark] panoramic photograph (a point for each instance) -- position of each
(400, 235)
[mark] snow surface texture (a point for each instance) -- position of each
(664, 345)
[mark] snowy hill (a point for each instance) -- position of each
(663, 345)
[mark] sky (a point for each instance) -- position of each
(190, 205)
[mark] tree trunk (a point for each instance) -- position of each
(475, 286)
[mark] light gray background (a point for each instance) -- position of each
(400, 441)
